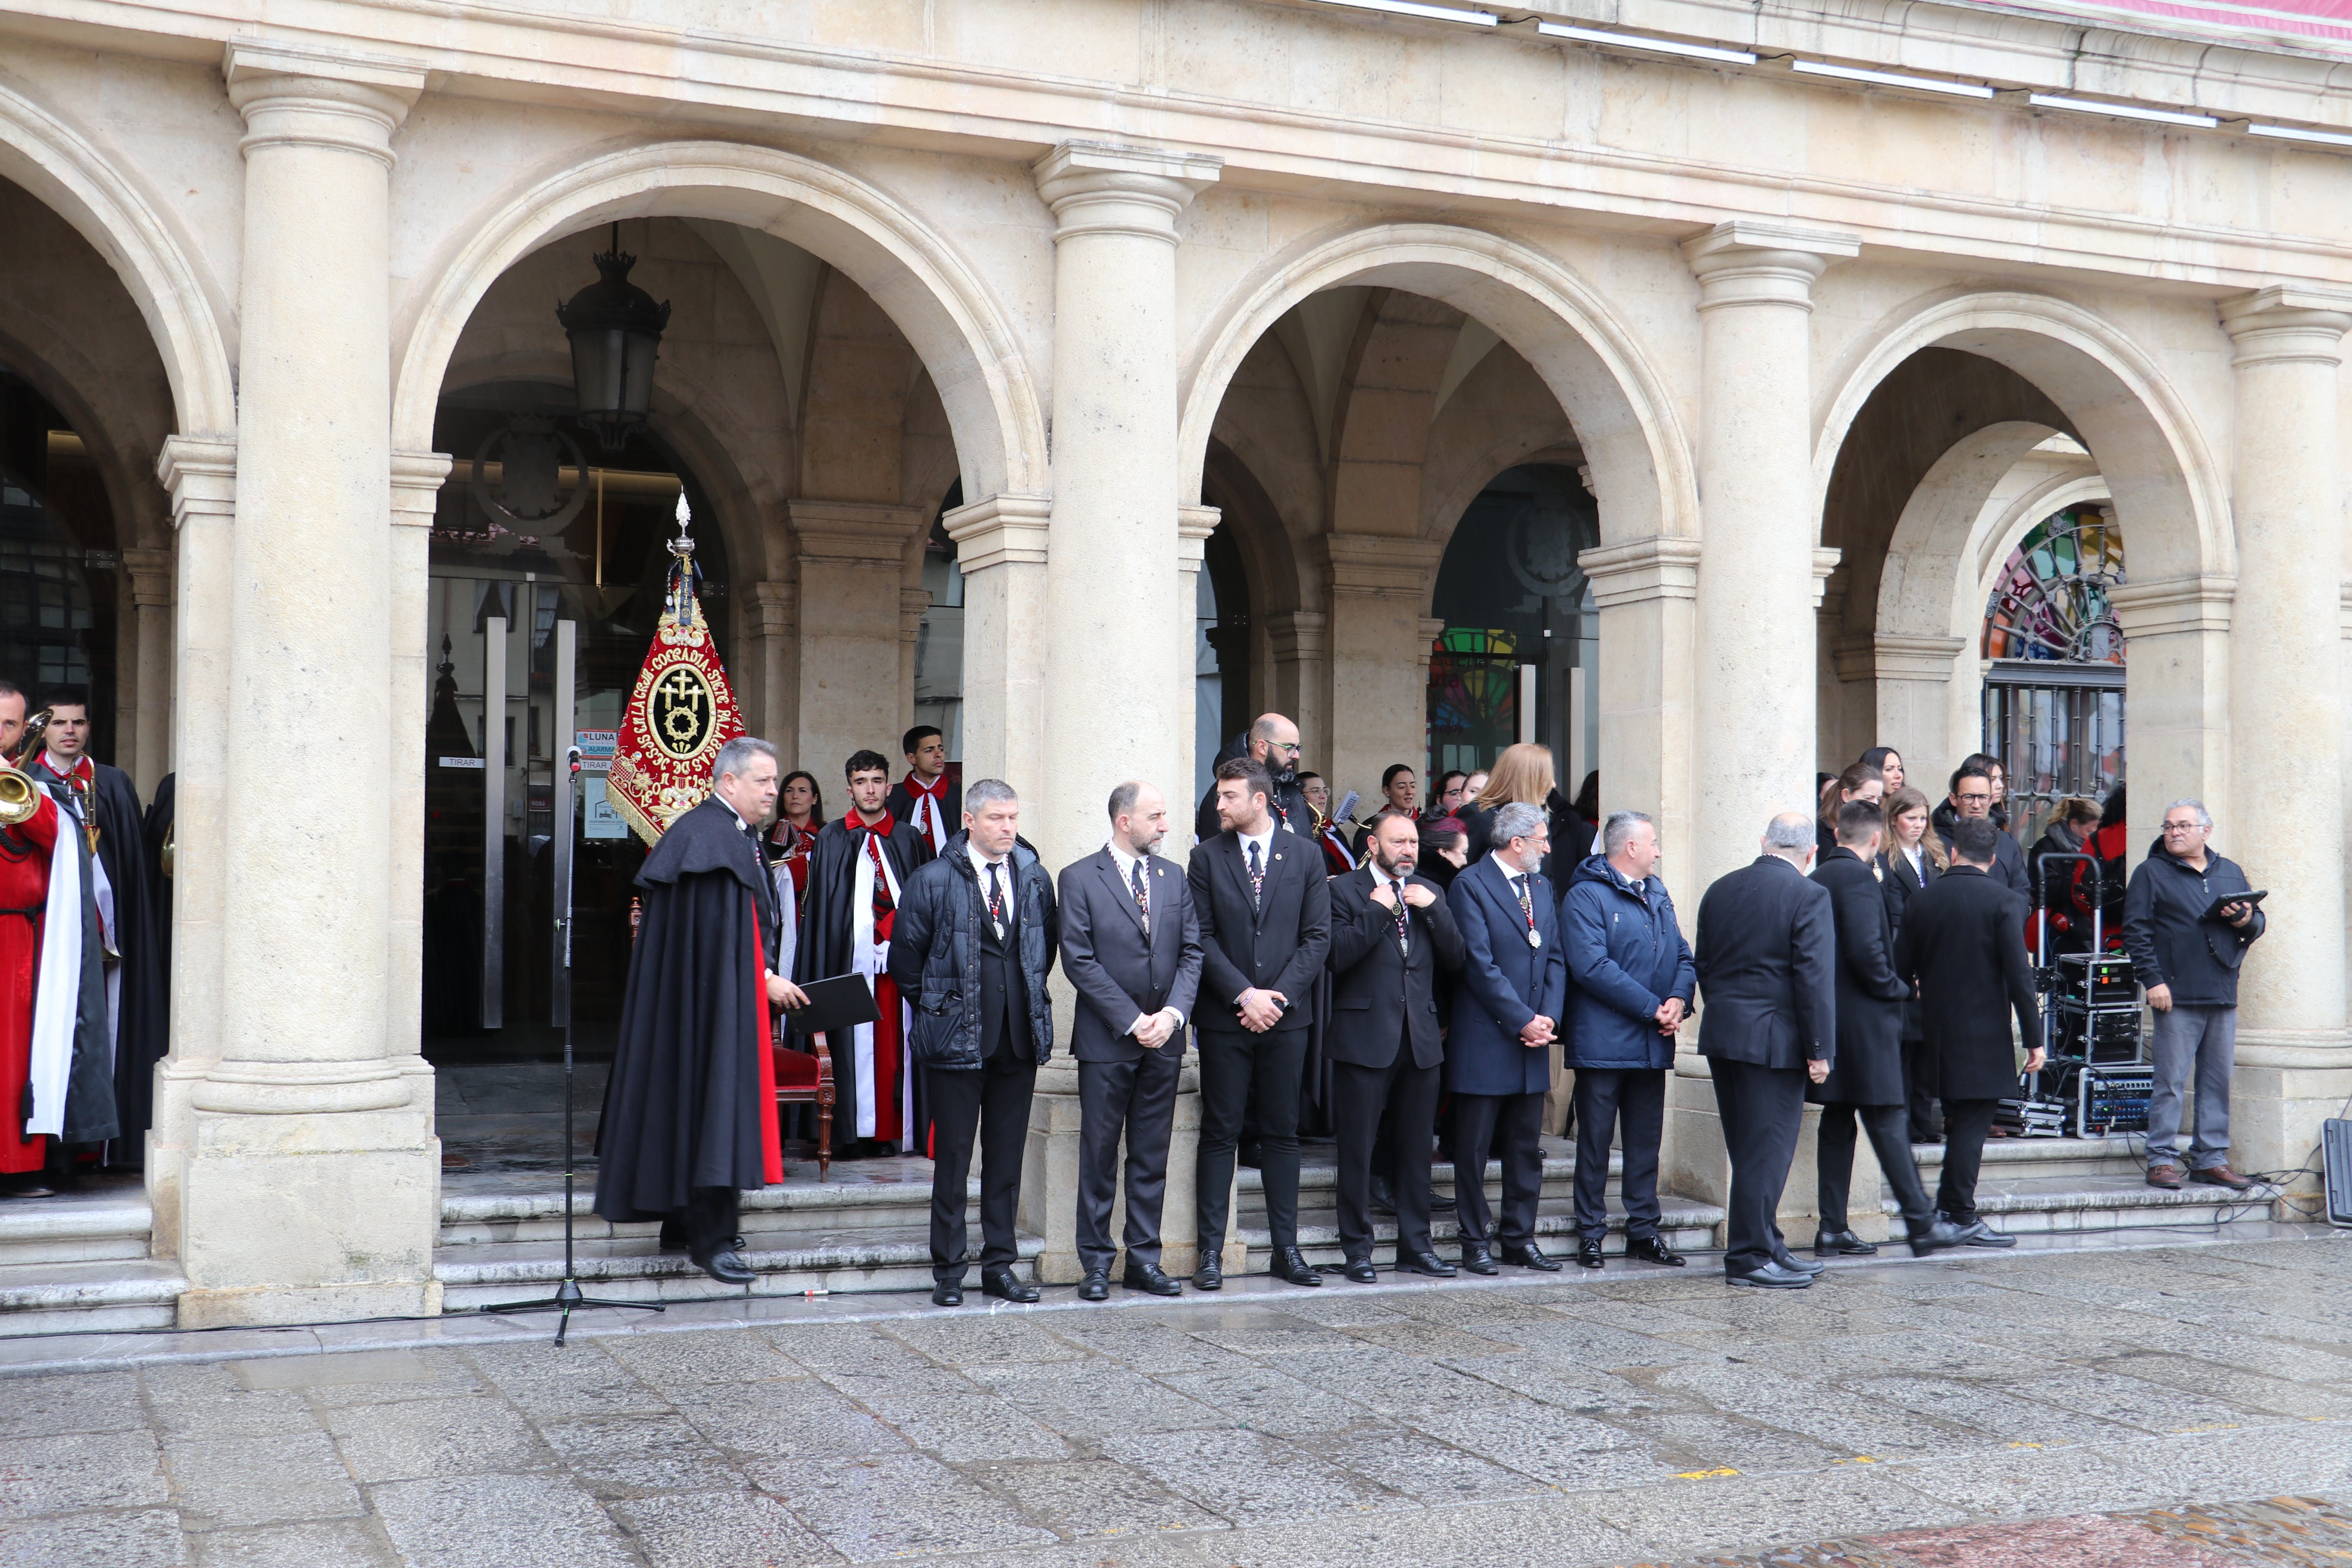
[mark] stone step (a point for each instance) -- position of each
(89, 1297)
(109, 1218)
(2050, 1157)
(2040, 1204)
(1684, 1224)
(505, 1214)
(631, 1267)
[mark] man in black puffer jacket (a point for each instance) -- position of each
(975, 939)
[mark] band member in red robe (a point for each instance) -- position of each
(923, 799)
(860, 864)
(1337, 858)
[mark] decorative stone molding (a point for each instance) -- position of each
(1663, 566)
(1005, 529)
(151, 578)
(773, 607)
(912, 603)
(301, 1089)
(1193, 526)
(1901, 658)
(1103, 188)
(1377, 566)
(2287, 323)
(201, 475)
(416, 479)
(295, 95)
(2174, 604)
(1297, 636)
(1746, 262)
(854, 533)
(1825, 563)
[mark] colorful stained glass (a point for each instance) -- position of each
(2051, 601)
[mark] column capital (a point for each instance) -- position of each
(2173, 605)
(1294, 635)
(151, 577)
(2288, 323)
(772, 604)
(868, 533)
(1663, 566)
(1825, 563)
(202, 477)
(1008, 529)
(1378, 564)
(298, 95)
(1100, 187)
(1193, 526)
(1749, 262)
(417, 487)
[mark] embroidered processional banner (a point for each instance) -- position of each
(680, 713)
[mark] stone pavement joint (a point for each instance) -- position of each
(2289, 1531)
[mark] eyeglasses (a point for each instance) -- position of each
(2182, 826)
(1290, 746)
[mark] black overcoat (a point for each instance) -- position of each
(1963, 942)
(1766, 956)
(1870, 995)
(683, 1105)
(824, 937)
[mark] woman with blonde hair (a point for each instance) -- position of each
(1522, 773)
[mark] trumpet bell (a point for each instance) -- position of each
(20, 797)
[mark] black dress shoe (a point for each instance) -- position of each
(728, 1268)
(1425, 1263)
(1291, 1264)
(1148, 1278)
(1771, 1277)
(1096, 1286)
(1531, 1256)
(1842, 1244)
(1654, 1249)
(1007, 1286)
(1478, 1260)
(1796, 1264)
(946, 1293)
(1361, 1271)
(1588, 1255)
(1936, 1237)
(1209, 1276)
(1978, 1233)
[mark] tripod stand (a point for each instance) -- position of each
(568, 1293)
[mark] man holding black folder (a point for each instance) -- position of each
(975, 939)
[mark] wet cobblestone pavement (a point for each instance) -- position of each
(2178, 1407)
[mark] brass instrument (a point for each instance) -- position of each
(20, 797)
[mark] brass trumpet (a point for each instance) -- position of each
(20, 797)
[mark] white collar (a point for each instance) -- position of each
(1265, 840)
(50, 761)
(1504, 866)
(981, 862)
(1126, 858)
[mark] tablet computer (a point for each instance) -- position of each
(2213, 910)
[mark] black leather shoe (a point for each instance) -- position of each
(1094, 1287)
(1980, 1234)
(1652, 1249)
(946, 1293)
(1478, 1260)
(1210, 1276)
(1771, 1277)
(1531, 1256)
(1007, 1286)
(1425, 1263)
(1151, 1278)
(1588, 1254)
(1291, 1264)
(728, 1268)
(1842, 1244)
(1796, 1264)
(1936, 1237)
(1361, 1272)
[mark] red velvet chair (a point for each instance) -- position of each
(805, 1079)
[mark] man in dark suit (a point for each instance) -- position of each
(1391, 934)
(1973, 798)
(1264, 910)
(1963, 943)
(1766, 958)
(1866, 1084)
(1131, 950)
(1507, 1010)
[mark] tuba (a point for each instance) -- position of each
(20, 797)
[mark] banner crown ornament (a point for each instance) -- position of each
(681, 712)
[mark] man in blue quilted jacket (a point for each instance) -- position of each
(1631, 983)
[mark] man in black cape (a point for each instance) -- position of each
(689, 1114)
(857, 874)
(138, 980)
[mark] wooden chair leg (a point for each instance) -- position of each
(824, 1109)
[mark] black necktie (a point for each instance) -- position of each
(996, 903)
(1257, 877)
(1398, 888)
(1142, 894)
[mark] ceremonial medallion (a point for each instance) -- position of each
(1535, 939)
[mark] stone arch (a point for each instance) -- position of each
(181, 304)
(1642, 467)
(2170, 496)
(957, 328)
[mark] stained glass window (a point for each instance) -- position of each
(2054, 699)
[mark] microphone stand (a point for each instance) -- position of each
(568, 1294)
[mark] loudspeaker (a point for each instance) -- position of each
(2335, 1158)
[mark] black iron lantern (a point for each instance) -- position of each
(614, 326)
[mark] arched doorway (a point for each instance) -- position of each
(2054, 696)
(58, 563)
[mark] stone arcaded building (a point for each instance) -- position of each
(1708, 390)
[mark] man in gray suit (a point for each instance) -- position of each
(1131, 948)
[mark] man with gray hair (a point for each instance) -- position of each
(1766, 961)
(690, 1108)
(1632, 984)
(2187, 939)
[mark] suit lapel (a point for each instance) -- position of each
(1109, 866)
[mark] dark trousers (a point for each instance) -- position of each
(1919, 1085)
(1511, 1125)
(1966, 1123)
(1367, 1104)
(1243, 1073)
(990, 1105)
(713, 1215)
(1603, 1098)
(1763, 1109)
(1889, 1128)
(1137, 1098)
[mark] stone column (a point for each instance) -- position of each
(150, 600)
(1756, 592)
(1001, 549)
(415, 491)
(202, 479)
(1298, 666)
(1193, 526)
(852, 690)
(312, 1186)
(773, 656)
(2295, 1058)
(1112, 535)
(1914, 680)
(1380, 660)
